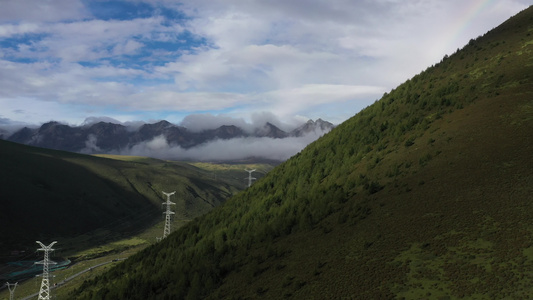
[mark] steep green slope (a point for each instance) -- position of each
(424, 194)
(53, 195)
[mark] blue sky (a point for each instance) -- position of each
(68, 60)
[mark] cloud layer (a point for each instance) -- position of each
(223, 150)
(157, 59)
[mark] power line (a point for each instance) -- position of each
(11, 291)
(44, 293)
(250, 178)
(146, 213)
(168, 214)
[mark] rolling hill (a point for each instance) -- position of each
(56, 195)
(424, 194)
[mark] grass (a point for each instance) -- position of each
(126, 230)
(97, 207)
(32, 285)
(98, 197)
(89, 257)
(362, 214)
(127, 157)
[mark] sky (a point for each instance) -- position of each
(220, 60)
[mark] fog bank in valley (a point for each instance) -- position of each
(224, 150)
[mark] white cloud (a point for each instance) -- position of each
(8, 30)
(292, 58)
(128, 47)
(35, 112)
(307, 42)
(201, 122)
(39, 10)
(277, 51)
(153, 99)
(91, 145)
(288, 102)
(100, 39)
(313, 94)
(88, 40)
(249, 123)
(93, 120)
(224, 150)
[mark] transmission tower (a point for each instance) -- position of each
(250, 178)
(44, 293)
(168, 214)
(11, 290)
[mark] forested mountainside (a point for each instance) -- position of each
(48, 194)
(424, 194)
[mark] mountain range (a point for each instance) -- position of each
(106, 137)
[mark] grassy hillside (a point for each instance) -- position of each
(82, 201)
(424, 194)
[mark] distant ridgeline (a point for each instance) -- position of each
(427, 193)
(105, 137)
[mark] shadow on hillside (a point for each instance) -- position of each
(46, 198)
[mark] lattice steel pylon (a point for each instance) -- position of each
(11, 290)
(250, 178)
(168, 214)
(44, 293)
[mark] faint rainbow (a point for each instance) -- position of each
(463, 21)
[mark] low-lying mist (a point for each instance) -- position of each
(224, 150)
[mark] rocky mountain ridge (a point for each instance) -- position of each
(106, 137)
